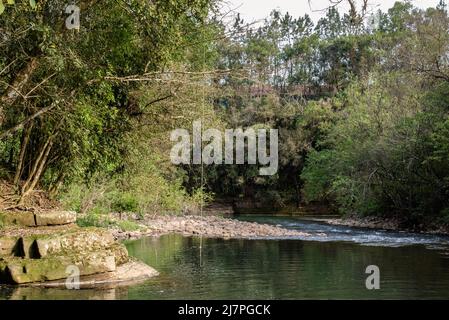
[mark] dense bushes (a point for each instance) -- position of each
(387, 153)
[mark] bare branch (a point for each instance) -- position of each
(38, 85)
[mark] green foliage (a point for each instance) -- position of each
(94, 219)
(96, 122)
(127, 225)
(318, 175)
(125, 202)
(386, 153)
(201, 198)
(361, 109)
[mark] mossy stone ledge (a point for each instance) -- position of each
(33, 250)
(36, 219)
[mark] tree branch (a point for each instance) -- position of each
(19, 126)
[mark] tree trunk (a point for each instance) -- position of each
(34, 178)
(35, 166)
(41, 167)
(13, 91)
(23, 147)
(57, 185)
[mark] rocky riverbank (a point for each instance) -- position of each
(391, 224)
(207, 226)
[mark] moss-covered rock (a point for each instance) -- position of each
(120, 253)
(45, 257)
(8, 245)
(131, 272)
(82, 240)
(31, 219)
(52, 268)
(23, 218)
(23, 270)
(39, 247)
(56, 217)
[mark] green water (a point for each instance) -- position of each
(286, 269)
(411, 267)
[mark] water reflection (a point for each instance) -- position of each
(286, 269)
(33, 293)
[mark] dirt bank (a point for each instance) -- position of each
(208, 226)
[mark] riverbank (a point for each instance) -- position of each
(210, 226)
(390, 224)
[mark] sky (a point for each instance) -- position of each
(254, 10)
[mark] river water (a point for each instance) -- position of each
(412, 266)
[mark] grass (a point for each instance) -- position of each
(103, 221)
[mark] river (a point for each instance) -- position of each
(412, 266)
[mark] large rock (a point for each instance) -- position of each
(79, 241)
(53, 243)
(25, 218)
(44, 257)
(24, 270)
(113, 285)
(38, 245)
(129, 273)
(31, 219)
(19, 271)
(8, 246)
(52, 218)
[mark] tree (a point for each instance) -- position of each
(67, 96)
